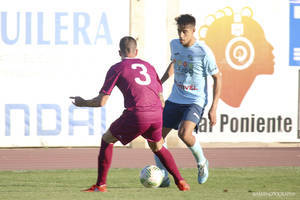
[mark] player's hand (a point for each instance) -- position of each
(212, 117)
(78, 101)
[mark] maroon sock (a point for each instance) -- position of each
(168, 161)
(104, 161)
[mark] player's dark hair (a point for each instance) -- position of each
(127, 45)
(186, 19)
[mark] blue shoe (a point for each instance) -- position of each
(165, 182)
(203, 172)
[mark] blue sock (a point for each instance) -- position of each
(160, 165)
(198, 152)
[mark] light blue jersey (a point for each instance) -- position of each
(192, 66)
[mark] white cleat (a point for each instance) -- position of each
(203, 172)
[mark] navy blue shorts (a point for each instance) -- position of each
(174, 114)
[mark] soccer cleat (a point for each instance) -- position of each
(165, 182)
(203, 172)
(183, 185)
(96, 188)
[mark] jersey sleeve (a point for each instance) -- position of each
(210, 62)
(110, 81)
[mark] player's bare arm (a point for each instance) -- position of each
(161, 97)
(212, 114)
(98, 101)
(169, 72)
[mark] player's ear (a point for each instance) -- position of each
(136, 52)
(120, 54)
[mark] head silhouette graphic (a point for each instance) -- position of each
(241, 50)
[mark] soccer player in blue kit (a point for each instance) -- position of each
(191, 63)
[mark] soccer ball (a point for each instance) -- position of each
(151, 176)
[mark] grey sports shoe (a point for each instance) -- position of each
(166, 182)
(203, 172)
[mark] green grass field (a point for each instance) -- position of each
(123, 184)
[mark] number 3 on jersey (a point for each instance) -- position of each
(142, 72)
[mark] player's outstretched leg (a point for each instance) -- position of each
(166, 180)
(168, 161)
(104, 162)
(202, 162)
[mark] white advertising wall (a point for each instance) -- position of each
(250, 40)
(49, 51)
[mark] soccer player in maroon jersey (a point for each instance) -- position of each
(143, 101)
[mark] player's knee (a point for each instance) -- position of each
(185, 132)
(181, 134)
(109, 138)
(155, 146)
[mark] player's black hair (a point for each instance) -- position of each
(127, 45)
(185, 19)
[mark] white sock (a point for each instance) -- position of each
(197, 151)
